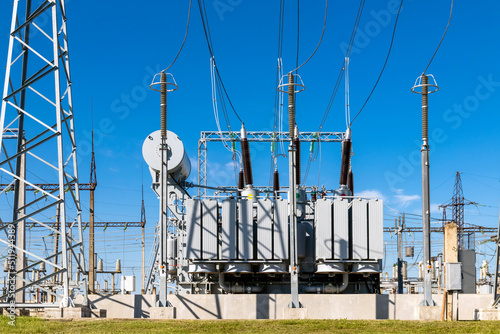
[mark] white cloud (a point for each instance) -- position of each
(402, 200)
(371, 193)
(435, 208)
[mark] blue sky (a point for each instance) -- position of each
(115, 48)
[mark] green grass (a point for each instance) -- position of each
(35, 325)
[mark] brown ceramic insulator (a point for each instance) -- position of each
(350, 182)
(241, 181)
(346, 157)
(247, 163)
(276, 181)
(296, 143)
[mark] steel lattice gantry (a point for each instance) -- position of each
(252, 136)
(37, 108)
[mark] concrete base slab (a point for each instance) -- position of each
(487, 314)
(98, 313)
(66, 313)
(162, 312)
(294, 313)
(428, 313)
(50, 313)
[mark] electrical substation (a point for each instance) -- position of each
(288, 249)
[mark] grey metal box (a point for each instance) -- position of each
(453, 276)
(468, 259)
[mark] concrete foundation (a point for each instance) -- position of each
(272, 306)
(64, 313)
(428, 313)
(487, 314)
(294, 313)
(162, 313)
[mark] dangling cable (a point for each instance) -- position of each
(383, 67)
(206, 28)
(185, 37)
(319, 43)
(341, 72)
(441, 41)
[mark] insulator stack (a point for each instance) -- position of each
(276, 181)
(247, 163)
(241, 181)
(314, 196)
(346, 157)
(425, 106)
(350, 182)
(296, 143)
(163, 105)
(291, 105)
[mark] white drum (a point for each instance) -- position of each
(179, 165)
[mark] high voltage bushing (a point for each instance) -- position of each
(241, 181)
(350, 182)
(425, 108)
(291, 105)
(296, 143)
(346, 156)
(163, 105)
(276, 182)
(245, 154)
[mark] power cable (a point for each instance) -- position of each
(298, 34)
(341, 72)
(383, 67)
(337, 83)
(185, 37)
(319, 43)
(442, 38)
(206, 29)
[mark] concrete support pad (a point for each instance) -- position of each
(51, 313)
(294, 313)
(98, 313)
(428, 313)
(487, 314)
(162, 313)
(68, 313)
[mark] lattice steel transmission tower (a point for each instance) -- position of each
(37, 105)
(458, 209)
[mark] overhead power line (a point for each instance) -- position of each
(383, 67)
(185, 37)
(442, 38)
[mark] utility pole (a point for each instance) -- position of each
(426, 211)
(163, 231)
(143, 225)
(294, 270)
(399, 232)
(93, 185)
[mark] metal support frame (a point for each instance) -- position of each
(202, 165)
(426, 211)
(252, 136)
(399, 233)
(37, 101)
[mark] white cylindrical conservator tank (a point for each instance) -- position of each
(179, 165)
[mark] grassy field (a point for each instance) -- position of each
(34, 325)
